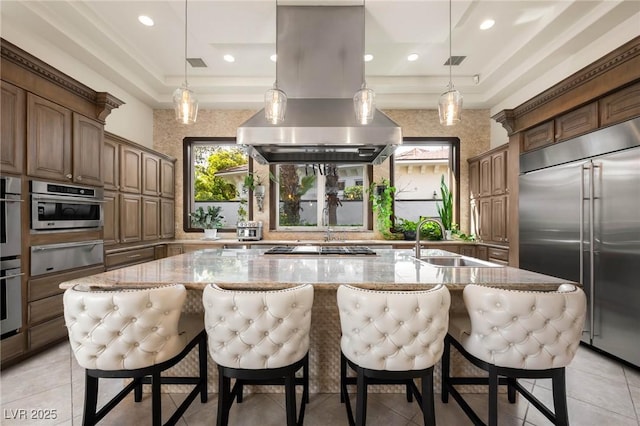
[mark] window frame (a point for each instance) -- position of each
(187, 178)
(454, 166)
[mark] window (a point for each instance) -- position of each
(418, 166)
(214, 172)
(316, 196)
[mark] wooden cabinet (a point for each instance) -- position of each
(499, 219)
(12, 347)
(576, 122)
(498, 255)
(474, 179)
(167, 178)
(13, 118)
(45, 307)
(167, 218)
(174, 249)
(489, 208)
(484, 218)
(111, 228)
(130, 169)
(87, 151)
(468, 250)
(482, 253)
(130, 218)
(485, 177)
(537, 137)
(48, 139)
(62, 145)
(129, 257)
(621, 105)
(111, 163)
(150, 174)
(499, 172)
(150, 218)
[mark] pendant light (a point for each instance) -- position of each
(364, 101)
(185, 103)
(275, 100)
(450, 104)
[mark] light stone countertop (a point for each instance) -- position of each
(250, 269)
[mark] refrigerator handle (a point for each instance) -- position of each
(592, 278)
(584, 167)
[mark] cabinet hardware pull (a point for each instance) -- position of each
(134, 256)
(68, 175)
(6, 277)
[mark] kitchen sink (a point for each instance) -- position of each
(458, 262)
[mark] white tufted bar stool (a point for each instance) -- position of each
(391, 337)
(516, 334)
(133, 334)
(259, 337)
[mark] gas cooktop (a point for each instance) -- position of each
(322, 250)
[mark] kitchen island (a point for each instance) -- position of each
(388, 269)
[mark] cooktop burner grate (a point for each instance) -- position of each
(322, 250)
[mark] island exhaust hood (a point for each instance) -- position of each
(320, 67)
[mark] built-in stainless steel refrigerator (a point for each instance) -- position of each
(579, 210)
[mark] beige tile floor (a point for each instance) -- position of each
(600, 392)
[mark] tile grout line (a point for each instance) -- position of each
(633, 403)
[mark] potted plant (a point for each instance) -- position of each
(446, 209)
(407, 227)
(209, 220)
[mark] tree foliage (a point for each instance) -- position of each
(208, 186)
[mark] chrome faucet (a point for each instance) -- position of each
(419, 227)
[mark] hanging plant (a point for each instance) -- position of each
(381, 196)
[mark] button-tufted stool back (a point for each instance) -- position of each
(393, 330)
(258, 329)
(124, 329)
(391, 337)
(516, 334)
(135, 334)
(259, 337)
(524, 329)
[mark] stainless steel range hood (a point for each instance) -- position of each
(320, 67)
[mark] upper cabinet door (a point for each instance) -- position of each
(150, 174)
(111, 161)
(499, 173)
(167, 179)
(474, 179)
(130, 169)
(48, 139)
(88, 136)
(13, 113)
(485, 177)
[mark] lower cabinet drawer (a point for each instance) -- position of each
(130, 257)
(48, 332)
(41, 287)
(44, 309)
(498, 255)
(12, 346)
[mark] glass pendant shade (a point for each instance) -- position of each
(450, 107)
(185, 105)
(364, 102)
(275, 105)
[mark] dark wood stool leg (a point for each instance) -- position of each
(202, 361)
(361, 399)
(511, 389)
(156, 404)
(428, 409)
(445, 370)
(224, 385)
(560, 398)
(409, 392)
(137, 391)
(493, 396)
(305, 377)
(90, 400)
(343, 378)
(240, 391)
(290, 398)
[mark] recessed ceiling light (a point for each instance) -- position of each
(412, 57)
(273, 57)
(486, 24)
(145, 20)
(229, 58)
(368, 57)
